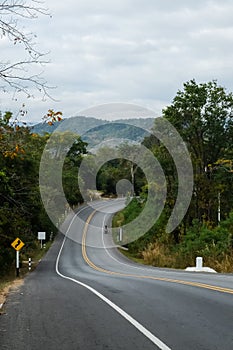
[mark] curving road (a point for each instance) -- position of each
(85, 295)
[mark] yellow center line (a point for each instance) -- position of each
(100, 269)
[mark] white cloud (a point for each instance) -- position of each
(129, 51)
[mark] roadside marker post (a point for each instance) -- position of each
(17, 263)
(29, 264)
(17, 244)
(199, 262)
(120, 234)
(41, 238)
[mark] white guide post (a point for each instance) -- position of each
(199, 263)
(17, 263)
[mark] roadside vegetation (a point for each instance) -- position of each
(158, 248)
(22, 214)
(202, 114)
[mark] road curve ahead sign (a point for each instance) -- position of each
(17, 244)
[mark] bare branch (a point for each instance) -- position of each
(15, 75)
(23, 9)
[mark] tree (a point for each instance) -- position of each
(202, 114)
(119, 164)
(19, 75)
(70, 171)
(21, 209)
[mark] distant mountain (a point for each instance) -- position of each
(76, 124)
(98, 132)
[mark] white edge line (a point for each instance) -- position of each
(121, 247)
(130, 319)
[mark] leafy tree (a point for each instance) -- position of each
(202, 113)
(203, 116)
(21, 210)
(122, 165)
(19, 194)
(70, 171)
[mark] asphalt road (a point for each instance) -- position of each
(84, 295)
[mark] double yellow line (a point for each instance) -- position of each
(100, 269)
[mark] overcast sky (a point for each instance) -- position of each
(132, 51)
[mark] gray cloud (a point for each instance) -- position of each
(129, 51)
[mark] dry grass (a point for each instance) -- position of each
(225, 265)
(10, 282)
(6, 287)
(160, 255)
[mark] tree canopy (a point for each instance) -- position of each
(22, 212)
(203, 116)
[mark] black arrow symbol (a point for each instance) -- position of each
(18, 243)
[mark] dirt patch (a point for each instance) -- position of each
(10, 283)
(10, 286)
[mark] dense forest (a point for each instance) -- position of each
(21, 212)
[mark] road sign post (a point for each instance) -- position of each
(41, 238)
(17, 263)
(17, 245)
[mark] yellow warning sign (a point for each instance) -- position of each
(17, 244)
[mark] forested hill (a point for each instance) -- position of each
(97, 131)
